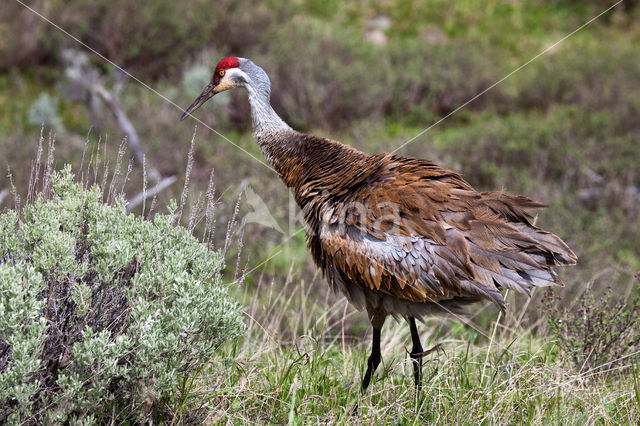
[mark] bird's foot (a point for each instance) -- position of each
(416, 356)
(428, 351)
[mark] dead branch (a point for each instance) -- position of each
(127, 128)
(3, 195)
(87, 81)
(164, 183)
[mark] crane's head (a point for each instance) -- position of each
(228, 74)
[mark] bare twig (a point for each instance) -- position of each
(144, 195)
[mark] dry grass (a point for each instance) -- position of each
(304, 356)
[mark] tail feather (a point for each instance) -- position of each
(521, 258)
(559, 251)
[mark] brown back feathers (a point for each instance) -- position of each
(407, 229)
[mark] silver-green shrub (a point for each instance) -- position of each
(102, 313)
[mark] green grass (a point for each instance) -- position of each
(302, 362)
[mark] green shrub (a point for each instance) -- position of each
(103, 314)
(323, 74)
(544, 145)
(150, 38)
(326, 75)
(599, 335)
(437, 78)
(586, 73)
(44, 111)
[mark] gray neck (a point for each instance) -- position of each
(265, 119)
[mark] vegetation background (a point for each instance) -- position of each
(563, 130)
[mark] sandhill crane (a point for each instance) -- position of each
(397, 236)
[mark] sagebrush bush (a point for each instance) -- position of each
(103, 314)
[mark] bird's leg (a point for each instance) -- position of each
(416, 352)
(374, 358)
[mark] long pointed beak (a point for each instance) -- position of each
(206, 94)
